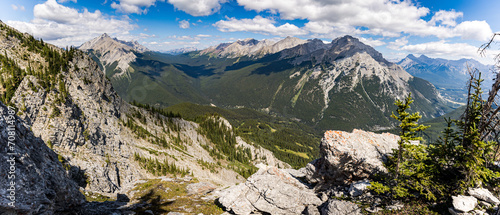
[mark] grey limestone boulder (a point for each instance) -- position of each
(270, 190)
(339, 207)
(347, 157)
(484, 194)
(464, 203)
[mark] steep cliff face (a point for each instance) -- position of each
(84, 128)
(34, 181)
(105, 143)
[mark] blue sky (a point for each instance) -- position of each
(449, 29)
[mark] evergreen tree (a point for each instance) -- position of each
(409, 127)
(473, 153)
(412, 170)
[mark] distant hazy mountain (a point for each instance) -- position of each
(181, 50)
(449, 76)
(112, 54)
(342, 85)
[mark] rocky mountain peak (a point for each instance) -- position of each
(408, 61)
(340, 48)
(181, 50)
(292, 40)
(105, 35)
(112, 50)
(252, 47)
(248, 42)
(104, 42)
(347, 46)
(411, 56)
(346, 39)
(288, 42)
(423, 57)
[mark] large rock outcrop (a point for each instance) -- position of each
(38, 183)
(270, 190)
(346, 157)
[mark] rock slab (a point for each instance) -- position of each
(270, 190)
(484, 194)
(339, 207)
(464, 203)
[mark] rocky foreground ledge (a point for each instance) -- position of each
(347, 160)
(344, 170)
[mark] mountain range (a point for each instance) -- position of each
(343, 85)
(449, 76)
(71, 123)
(114, 120)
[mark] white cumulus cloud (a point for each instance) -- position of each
(473, 30)
(184, 24)
(443, 49)
(259, 24)
(446, 17)
(17, 7)
(134, 6)
(198, 7)
(375, 17)
(62, 26)
(372, 42)
(396, 44)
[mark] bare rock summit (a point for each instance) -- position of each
(112, 50)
